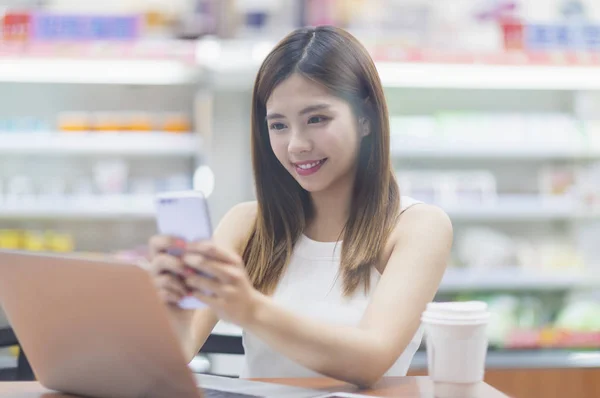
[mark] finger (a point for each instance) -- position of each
(160, 243)
(165, 263)
(205, 286)
(211, 268)
(210, 300)
(210, 250)
(169, 297)
(166, 243)
(169, 283)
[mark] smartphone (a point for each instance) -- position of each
(184, 215)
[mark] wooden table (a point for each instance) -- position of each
(401, 387)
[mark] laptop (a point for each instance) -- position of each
(97, 328)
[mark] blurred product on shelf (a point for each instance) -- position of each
(16, 26)
(83, 122)
(23, 124)
(450, 188)
(109, 181)
(110, 176)
(474, 25)
(51, 241)
(471, 192)
(581, 313)
(84, 27)
(175, 123)
(526, 321)
(558, 181)
(123, 121)
(41, 26)
(483, 131)
(74, 122)
(570, 187)
(489, 248)
(485, 248)
(200, 19)
(46, 241)
(579, 182)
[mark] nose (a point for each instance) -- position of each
(299, 142)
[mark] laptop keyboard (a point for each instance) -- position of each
(208, 393)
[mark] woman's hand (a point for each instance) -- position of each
(218, 278)
(167, 271)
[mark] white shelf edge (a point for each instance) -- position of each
(123, 143)
(97, 208)
(494, 153)
(96, 71)
(234, 63)
(75, 214)
(511, 214)
(480, 76)
(458, 280)
(228, 74)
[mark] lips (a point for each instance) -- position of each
(309, 167)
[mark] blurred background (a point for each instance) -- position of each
(495, 116)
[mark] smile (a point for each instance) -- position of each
(308, 168)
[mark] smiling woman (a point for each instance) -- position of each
(301, 141)
(329, 270)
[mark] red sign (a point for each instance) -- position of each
(16, 27)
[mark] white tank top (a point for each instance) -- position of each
(311, 286)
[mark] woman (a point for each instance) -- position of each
(329, 270)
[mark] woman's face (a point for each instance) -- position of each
(313, 133)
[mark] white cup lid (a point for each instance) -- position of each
(458, 307)
(459, 310)
(455, 320)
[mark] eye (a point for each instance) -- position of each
(276, 126)
(317, 119)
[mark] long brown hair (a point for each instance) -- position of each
(334, 58)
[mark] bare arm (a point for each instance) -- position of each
(361, 355)
(231, 233)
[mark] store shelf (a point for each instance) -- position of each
(96, 71)
(235, 63)
(499, 213)
(100, 208)
(528, 360)
(104, 208)
(459, 280)
(496, 77)
(131, 144)
(514, 208)
(152, 62)
(529, 152)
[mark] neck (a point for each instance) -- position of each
(332, 208)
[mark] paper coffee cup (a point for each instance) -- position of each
(456, 341)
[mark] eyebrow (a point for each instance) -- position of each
(304, 111)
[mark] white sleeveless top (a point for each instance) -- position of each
(311, 286)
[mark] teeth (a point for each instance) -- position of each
(309, 165)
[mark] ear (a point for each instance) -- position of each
(364, 126)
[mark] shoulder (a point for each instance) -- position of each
(245, 212)
(422, 221)
(235, 227)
